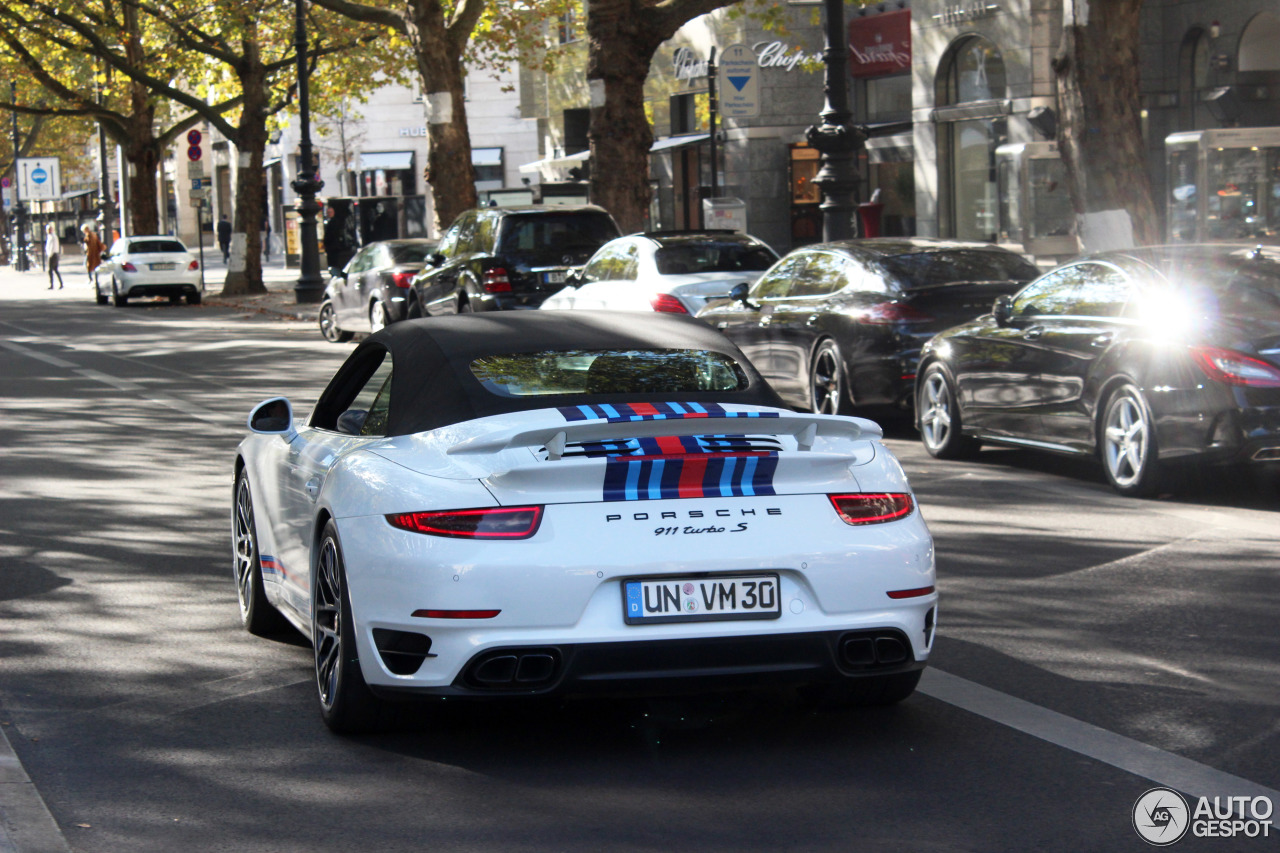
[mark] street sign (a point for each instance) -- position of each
(738, 82)
(199, 194)
(195, 169)
(39, 178)
(194, 137)
(194, 152)
(4, 182)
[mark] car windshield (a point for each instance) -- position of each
(155, 247)
(547, 238)
(589, 372)
(713, 256)
(929, 269)
(411, 253)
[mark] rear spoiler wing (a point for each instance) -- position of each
(805, 428)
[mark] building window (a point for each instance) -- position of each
(971, 95)
(490, 172)
(568, 29)
(387, 173)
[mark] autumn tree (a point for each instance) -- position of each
(1099, 128)
(622, 37)
(46, 40)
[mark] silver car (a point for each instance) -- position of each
(155, 265)
(674, 272)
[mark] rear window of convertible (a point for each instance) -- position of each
(588, 372)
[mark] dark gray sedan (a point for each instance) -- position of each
(374, 289)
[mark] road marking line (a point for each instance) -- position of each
(126, 385)
(1132, 756)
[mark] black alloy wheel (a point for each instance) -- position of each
(1127, 443)
(328, 320)
(826, 382)
(256, 613)
(347, 706)
(938, 417)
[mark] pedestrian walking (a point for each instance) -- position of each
(224, 238)
(92, 251)
(52, 249)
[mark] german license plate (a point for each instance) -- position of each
(653, 600)
(555, 277)
(164, 266)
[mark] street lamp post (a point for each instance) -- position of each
(19, 211)
(105, 206)
(837, 138)
(310, 287)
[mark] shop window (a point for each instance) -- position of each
(972, 78)
(490, 171)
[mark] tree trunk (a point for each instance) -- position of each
(619, 50)
(449, 170)
(244, 272)
(1100, 133)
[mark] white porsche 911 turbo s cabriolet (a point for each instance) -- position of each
(533, 503)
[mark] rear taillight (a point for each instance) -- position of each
(402, 279)
(194, 265)
(871, 508)
(128, 267)
(516, 522)
(667, 304)
(496, 281)
(1234, 368)
(888, 313)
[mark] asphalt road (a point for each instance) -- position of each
(1090, 648)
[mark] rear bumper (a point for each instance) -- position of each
(667, 667)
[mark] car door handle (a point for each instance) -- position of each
(1033, 333)
(313, 488)
(1103, 340)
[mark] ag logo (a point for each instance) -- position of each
(1161, 816)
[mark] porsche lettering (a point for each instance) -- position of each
(693, 513)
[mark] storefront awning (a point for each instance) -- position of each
(567, 161)
(266, 164)
(486, 156)
(673, 142)
(389, 161)
(974, 110)
(78, 194)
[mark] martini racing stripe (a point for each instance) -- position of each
(650, 479)
(271, 566)
(620, 412)
(675, 445)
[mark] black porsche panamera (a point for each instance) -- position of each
(1146, 358)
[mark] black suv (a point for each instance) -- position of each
(495, 258)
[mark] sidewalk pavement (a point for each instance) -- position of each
(278, 304)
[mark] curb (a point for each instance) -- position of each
(26, 825)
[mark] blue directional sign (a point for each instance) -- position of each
(39, 178)
(739, 82)
(39, 175)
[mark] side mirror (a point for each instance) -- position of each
(1002, 310)
(436, 260)
(272, 417)
(335, 272)
(738, 293)
(573, 278)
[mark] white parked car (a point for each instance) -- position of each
(155, 265)
(524, 503)
(674, 272)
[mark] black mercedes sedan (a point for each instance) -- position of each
(374, 289)
(840, 325)
(1145, 358)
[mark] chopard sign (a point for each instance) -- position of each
(775, 54)
(687, 65)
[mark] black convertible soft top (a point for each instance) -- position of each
(432, 384)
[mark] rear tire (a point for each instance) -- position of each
(100, 297)
(257, 614)
(118, 299)
(826, 380)
(328, 320)
(938, 417)
(378, 319)
(1127, 443)
(194, 298)
(347, 706)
